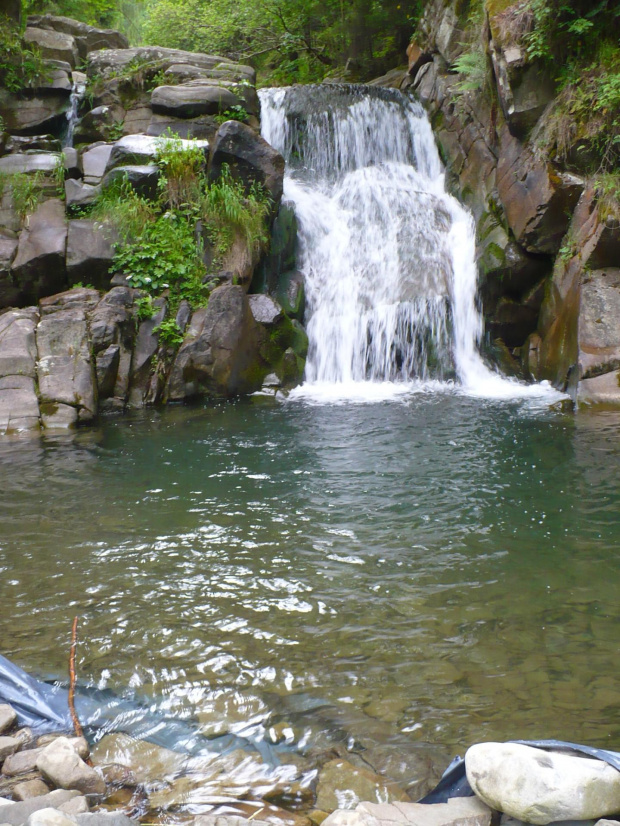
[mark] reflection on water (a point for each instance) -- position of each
(429, 572)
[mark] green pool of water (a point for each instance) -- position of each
(437, 570)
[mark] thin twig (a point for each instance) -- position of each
(76, 723)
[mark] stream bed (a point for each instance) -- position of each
(398, 579)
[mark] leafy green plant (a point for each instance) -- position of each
(21, 64)
(120, 206)
(144, 308)
(116, 131)
(169, 333)
(472, 67)
(27, 194)
(236, 112)
(164, 255)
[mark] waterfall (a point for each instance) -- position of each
(388, 255)
(77, 93)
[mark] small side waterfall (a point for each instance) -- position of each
(388, 256)
(77, 93)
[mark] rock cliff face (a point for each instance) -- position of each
(68, 352)
(548, 257)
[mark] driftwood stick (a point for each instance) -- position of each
(76, 723)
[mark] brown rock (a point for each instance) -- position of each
(29, 789)
(537, 199)
(342, 785)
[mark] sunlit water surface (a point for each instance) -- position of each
(435, 570)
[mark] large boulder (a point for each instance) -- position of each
(87, 38)
(525, 88)
(20, 162)
(65, 368)
(220, 354)
(94, 160)
(541, 787)
(9, 291)
(36, 114)
(144, 149)
(112, 331)
(249, 157)
(90, 250)
(39, 266)
(192, 99)
(109, 62)
(143, 179)
(146, 346)
(53, 45)
(64, 768)
(19, 408)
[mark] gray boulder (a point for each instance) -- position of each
(66, 371)
(202, 128)
(49, 817)
(265, 310)
(53, 45)
(19, 411)
(61, 765)
(107, 62)
(9, 291)
(142, 179)
(78, 194)
(146, 346)
(8, 746)
(90, 250)
(18, 349)
(136, 150)
(8, 718)
(98, 124)
(22, 761)
(249, 157)
(44, 113)
(87, 38)
(113, 330)
(84, 298)
(20, 162)
(39, 266)
(29, 789)
(192, 99)
(220, 354)
(72, 163)
(94, 161)
(18, 813)
(541, 787)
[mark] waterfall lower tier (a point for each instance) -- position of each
(388, 256)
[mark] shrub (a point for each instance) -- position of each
(182, 168)
(21, 64)
(26, 190)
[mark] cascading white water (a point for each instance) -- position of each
(388, 256)
(77, 93)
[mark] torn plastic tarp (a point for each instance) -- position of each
(454, 781)
(44, 707)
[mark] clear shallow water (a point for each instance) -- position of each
(437, 570)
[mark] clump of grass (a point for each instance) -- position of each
(27, 192)
(226, 208)
(182, 167)
(607, 187)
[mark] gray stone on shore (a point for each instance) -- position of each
(75, 806)
(61, 765)
(21, 762)
(541, 787)
(8, 718)
(80, 744)
(18, 813)
(65, 367)
(8, 746)
(30, 789)
(49, 817)
(458, 811)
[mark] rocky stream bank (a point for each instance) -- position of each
(58, 780)
(74, 337)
